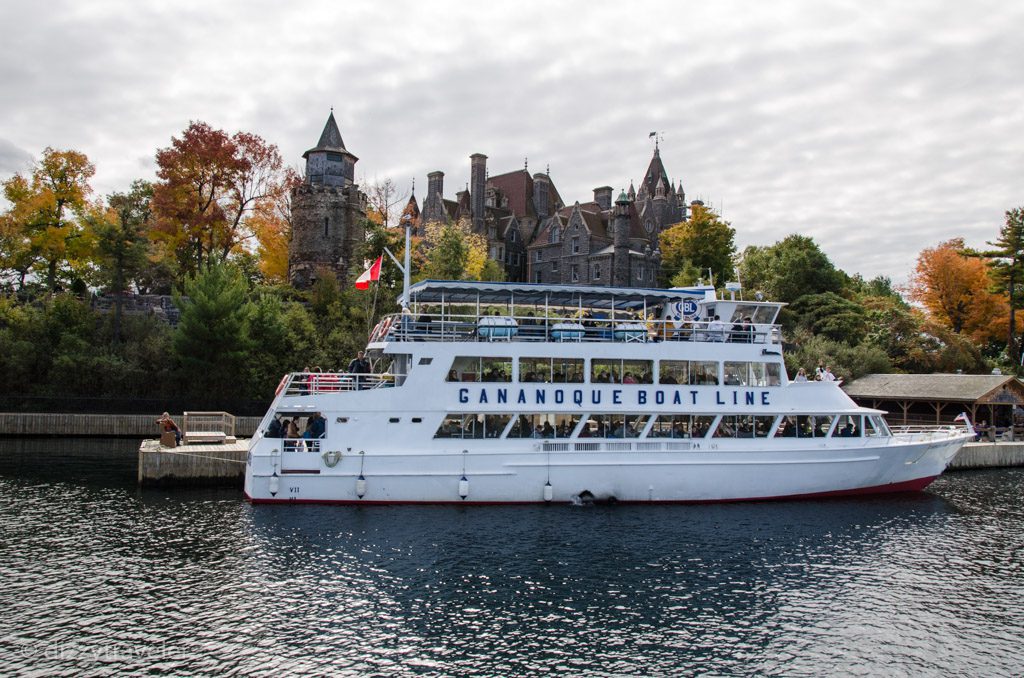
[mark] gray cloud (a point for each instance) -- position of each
(878, 131)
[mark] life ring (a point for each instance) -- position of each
(331, 458)
(375, 332)
(280, 385)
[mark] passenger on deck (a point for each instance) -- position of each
(275, 430)
(167, 424)
(317, 426)
(716, 329)
(801, 375)
(359, 366)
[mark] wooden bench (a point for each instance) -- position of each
(217, 437)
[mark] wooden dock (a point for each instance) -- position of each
(989, 455)
(105, 425)
(197, 464)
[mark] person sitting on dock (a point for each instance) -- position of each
(167, 424)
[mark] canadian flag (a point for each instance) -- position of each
(369, 275)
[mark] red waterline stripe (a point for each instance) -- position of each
(907, 486)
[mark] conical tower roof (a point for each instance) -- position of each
(655, 174)
(330, 139)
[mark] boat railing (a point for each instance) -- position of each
(928, 431)
(319, 383)
(301, 445)
(405, 327)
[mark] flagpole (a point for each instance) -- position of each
(406, 268)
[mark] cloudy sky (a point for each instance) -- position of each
(876, 128)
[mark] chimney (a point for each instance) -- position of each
(542, 195)
(603, 197)
(477, 187)
(435, 184)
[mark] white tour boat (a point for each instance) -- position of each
(518, 393)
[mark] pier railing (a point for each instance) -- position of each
(404, 327)
(207, 426)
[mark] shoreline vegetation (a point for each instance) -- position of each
(212, 232)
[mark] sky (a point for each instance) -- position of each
(878, 128)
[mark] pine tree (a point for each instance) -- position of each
(1007, 261)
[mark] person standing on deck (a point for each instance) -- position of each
(359, 365)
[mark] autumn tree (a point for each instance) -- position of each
(454, 252)
(954, 288)
(42, 231)
(210, 183)
(703, 242)
(271, 223)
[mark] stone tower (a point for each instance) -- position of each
(328, 211)
(620, 242)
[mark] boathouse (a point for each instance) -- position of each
(939, 398)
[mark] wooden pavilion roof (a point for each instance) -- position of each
(972, 388)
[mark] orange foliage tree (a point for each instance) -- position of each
(956, 290)
(210, 183)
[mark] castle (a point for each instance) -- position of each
(527, 225)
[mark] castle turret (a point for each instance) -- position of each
(328, 211)
(603, 197)
(329, 163)
(620, 241)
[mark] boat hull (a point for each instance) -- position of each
(542, 472)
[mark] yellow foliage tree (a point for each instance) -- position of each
(42, 231)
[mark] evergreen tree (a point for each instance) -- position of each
(1007, 262)
(212, 339)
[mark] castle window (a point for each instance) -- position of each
(554, 264)
(512, 235)
(538, 277)
(538, 255)
(575, 273)
(327, 222)
(575, 245)
(597, 272)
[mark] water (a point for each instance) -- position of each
(100, 578)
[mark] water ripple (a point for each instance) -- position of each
(101, 578)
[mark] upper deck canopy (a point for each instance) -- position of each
(535, 294)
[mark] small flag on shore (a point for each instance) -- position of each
(961, 417)
(369, 275)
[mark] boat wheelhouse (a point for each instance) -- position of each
(517, 393)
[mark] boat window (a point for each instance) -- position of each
(703, 372)
(764, 314)
(673, 372)
(681, 426)
(752, 374)
(744, 426)
(472, 426)
(474, 368)
(875, 425)
(804, 426)
(614, 426)
(612, 371)
(551, 370)
(848, 427)
(544, 425)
